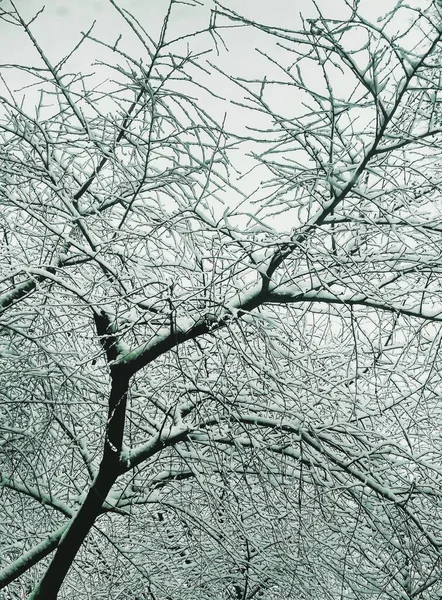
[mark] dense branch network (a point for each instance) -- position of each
(211, 388)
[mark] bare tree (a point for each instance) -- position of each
(208, 391)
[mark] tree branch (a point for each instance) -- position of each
(31, 557)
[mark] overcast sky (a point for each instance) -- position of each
(59, 28)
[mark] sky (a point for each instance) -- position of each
(58, 29)
(59, 26)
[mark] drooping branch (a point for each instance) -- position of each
(293, 296)
(36, 494)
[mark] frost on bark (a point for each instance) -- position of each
(220, 308)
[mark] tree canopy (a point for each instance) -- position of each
(221, 307)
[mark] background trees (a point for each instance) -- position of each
(219, 345)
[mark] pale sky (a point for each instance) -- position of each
(59, 28)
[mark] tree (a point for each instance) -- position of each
(207, 390)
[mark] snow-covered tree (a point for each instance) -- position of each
(220, 336)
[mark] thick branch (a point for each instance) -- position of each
(36, 494)
(290, 296)
(343, 466)
(31, 557)
(20, 290)
(185, 329)
(168, 437)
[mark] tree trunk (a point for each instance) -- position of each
(71, 542)
(81, 524)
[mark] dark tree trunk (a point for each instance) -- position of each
(110, 469)
(71, 542)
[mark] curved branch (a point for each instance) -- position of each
(35, 493)
(293, 296)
